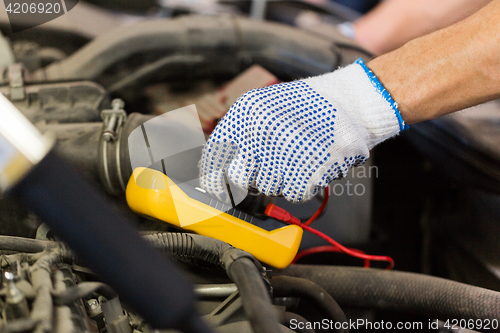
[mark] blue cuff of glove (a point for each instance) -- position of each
(381, 89)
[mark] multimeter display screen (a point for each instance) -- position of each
(201, 195)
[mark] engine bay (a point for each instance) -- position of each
(436, 227)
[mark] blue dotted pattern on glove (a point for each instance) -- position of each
(275, 139)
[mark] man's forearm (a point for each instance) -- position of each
(395, 22)
(445, 71)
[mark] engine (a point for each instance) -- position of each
(91, 271)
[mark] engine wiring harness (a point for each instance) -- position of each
(50, 297)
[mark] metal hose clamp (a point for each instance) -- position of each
(113, 121)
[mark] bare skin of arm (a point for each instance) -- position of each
(445, 71)
(394, 22)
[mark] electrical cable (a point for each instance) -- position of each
(323, 249)
(283, 215)
(321, 208)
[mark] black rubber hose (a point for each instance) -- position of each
(240, 266)
(399, 291)
(293, 319)
(256, 300)
(286, 286)
(228, 44)
(21, 244)
(107, 242)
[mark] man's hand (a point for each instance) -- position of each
(291, 138)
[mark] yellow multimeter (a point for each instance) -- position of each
(152, 193)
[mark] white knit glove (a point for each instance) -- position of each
(290, 139)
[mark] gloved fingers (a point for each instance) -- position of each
(269, 181)
(336, 170)
(299, 192)
(243, 171)
(216, 158)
